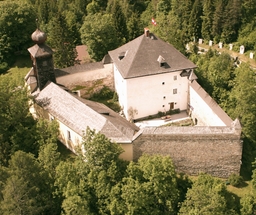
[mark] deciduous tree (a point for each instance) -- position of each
(98, 33)
(208, 196)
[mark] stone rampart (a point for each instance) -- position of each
(214, 150)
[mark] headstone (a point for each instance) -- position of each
(220, 45)
(210, 43)
(230, 46)
(187, 47)
(200, 41)
(251, 55)
(241, 49)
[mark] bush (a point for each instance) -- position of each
(105, 93)
(235, 180)
(3, 67)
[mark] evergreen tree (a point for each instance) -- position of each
(119, 22)
(134, 27)
(186, 13)
(61, 40)
(25, 190)
(208, 11)
(195, 21)
(232, 21)
(217, 24)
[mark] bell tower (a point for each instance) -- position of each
(42, 60)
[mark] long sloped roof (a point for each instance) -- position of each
(78, 114)
(140, 57)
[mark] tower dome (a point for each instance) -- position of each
(39, 36)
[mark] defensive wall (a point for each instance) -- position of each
(213, 150)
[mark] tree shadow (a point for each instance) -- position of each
(22, 61)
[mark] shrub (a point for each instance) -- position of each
(235, 180)
(3, 67)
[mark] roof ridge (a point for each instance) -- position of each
(137, 48)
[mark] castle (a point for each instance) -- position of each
(149, 76)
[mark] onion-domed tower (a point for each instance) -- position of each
(42, 60)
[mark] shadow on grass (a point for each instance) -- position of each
(22, 61)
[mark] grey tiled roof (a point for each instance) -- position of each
(140, 57)
(78, 113)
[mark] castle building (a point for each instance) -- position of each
(149, 76)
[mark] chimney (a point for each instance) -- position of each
(146, 32)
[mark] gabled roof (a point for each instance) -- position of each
(78, 114)
(140, 57)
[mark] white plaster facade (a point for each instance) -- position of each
(148, 95)
(204, 110)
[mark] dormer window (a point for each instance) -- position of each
(161, 61)
(121, 55)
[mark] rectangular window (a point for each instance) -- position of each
(174, 91)
(175, 77)
(68, 135)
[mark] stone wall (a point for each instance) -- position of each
(214, 150)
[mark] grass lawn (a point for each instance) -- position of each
(20, 68)
(243, 190)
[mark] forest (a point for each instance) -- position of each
(36, 177)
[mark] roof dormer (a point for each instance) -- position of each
(161, 60)
(121, 55)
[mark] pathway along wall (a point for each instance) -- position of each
(213, 150)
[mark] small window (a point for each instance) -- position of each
(175, 77)
(69, 135)
(174, 91)
(45, 63)
(164, 97)
(163, 83)
(163, 106)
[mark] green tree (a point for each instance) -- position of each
(119, 22)
(15, 120)
(243, 99)
(149, 188)
(186, 14)
(208, 11)
(85, 184)
(46, 10)
(248, 205)
(208, 195)
(25, 190)
(17, 22)
(221, 75)
(217, 23)
(134, 26)
(99, 151)
(98, 33)
(232, 21)
(195, 21)
(72, 187)
(62, 40)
